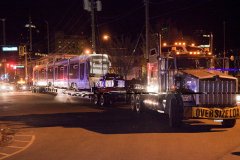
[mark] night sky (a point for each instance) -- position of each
(123, 17)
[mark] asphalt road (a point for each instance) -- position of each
(68, 128)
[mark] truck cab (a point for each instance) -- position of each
(186, 85)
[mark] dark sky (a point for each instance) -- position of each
(123, 17)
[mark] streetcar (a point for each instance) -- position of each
(78, 72)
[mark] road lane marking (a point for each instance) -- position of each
(20, 141)
(5, 154)
(14, 147)
(22, 135)
(20, 149)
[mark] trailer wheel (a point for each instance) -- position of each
(74, 86)
(228, 123)
(133, 102)
(138, 105)
(175, 117)
(103, 100)
(96, 99)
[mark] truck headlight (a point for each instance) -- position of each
(238, 98)
(152, 88)
(191, 84)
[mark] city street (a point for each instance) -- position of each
(69, 128)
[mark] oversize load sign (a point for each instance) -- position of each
(216, 113)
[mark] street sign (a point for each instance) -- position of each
(9, 49)
(19, 66)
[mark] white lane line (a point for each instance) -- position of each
(20, 150)
(15, 140)
(5, 154)
(14, 147)
(22, 135)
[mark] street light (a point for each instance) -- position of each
(106, 37)
(87, 51)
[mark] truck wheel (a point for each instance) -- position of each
(133, 102)
(228, 123)
(175, 118)
(138, 105)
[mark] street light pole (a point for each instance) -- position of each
(48, 42)
(30, 34)
(224, 46)
(147, 27)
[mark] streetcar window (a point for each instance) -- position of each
(87, 69)
(36, 74)
(56, 73)
(60, 72)
(82, 68)
(73, 72)
(42, 74)
(65, 72)
(50, 73)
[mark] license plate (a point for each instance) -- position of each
(216, 113)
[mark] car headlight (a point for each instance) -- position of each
(24, 87)
(3, 87)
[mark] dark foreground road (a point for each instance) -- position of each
(47, 127)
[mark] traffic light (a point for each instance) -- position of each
(22, 50)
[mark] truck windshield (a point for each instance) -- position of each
(193, 49)
(193, 62)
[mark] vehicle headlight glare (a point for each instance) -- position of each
(238, 98)
(152, 88)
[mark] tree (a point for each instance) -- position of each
(123, 54)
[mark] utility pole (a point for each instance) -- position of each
(224, 46)
(26, 63)
(48, 40)
(90, 6)
(158, 60)
(28, 53)
(30, 34)
(147, 27)
(93, 26)
(4, 30)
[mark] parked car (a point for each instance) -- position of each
(6, 87)
(23, 87)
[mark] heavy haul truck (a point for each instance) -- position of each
(185, 82)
